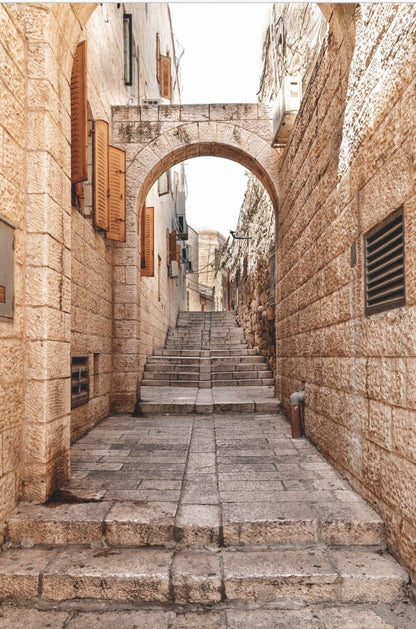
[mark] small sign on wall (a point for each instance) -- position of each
(6, 269)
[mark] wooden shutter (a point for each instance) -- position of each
(79, 115)
(147, 242)
(117, 194)
(100, 183)
(172, 246)
(165, 78)
(178, 253)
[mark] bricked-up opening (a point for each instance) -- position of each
(384, 265)
(80, 381)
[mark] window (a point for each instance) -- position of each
(117, 194)
(163, 71)
(109, 184)
(100, 174)
(163, 183)
(80, 381)
(128, 48)
(384, 265)
(173, 247)
(165, 77)
(79, 115)
(147, 242)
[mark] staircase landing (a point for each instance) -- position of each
(188, 400)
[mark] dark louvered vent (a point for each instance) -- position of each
(80, 381)
(384, 265)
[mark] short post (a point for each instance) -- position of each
(296, 399)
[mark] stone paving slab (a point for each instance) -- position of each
(200, 510)
(197, 480)
(400, 616)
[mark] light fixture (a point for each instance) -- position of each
(235, 237)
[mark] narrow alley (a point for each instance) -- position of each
(207, 373)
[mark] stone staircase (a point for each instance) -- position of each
(224, 534)
(205, 350)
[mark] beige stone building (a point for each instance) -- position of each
(76, 324)
(340, 176)
(203, 246)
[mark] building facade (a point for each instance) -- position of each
(344, 264)
(75, 328)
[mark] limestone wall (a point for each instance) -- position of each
(93, 300)
(13, 206)
(348, 165)
(291, 47)
(64, 270)
(161, 296)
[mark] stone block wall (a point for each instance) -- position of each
(12, 193)
(63, 269)
(161, 296)
(348, 165)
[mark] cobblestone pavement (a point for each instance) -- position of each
(228, 507)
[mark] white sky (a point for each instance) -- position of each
(222, 45)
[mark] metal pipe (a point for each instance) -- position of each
(296, 399)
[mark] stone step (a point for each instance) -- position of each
(166, 374)
(246, 518)
(241, 375)
(148, 575)
(217, 353)
(265, 405)
(249, 382)
(170, 383)
(316, 616)
(172, 367)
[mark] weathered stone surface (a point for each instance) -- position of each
(124, 575)
(196, 578)
(140, 524)
(297, 575)
(58, 524)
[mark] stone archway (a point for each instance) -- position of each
(156, 138)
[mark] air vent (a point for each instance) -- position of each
(173, 269)
(80, 381)
(384, 265)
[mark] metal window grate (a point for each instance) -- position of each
(80, 381)
(384, 265)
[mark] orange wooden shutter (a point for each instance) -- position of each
(100, 184)
(79, 115)
(117, 194)
(165, 79)
(178, 253)
(172, 246)
(147, 242)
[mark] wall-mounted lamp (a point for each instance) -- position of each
(235, 237)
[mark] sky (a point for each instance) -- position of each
(221, 44)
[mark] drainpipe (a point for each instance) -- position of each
(296, 399)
